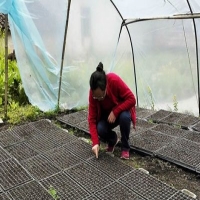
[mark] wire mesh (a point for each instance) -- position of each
(3, 155)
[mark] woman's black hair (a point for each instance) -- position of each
(98, 78)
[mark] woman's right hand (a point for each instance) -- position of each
(95, 150)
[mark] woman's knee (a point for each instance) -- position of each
(125, 116)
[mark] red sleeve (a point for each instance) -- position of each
(92, 119)
(126, 96)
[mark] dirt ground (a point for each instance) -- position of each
(169, 173)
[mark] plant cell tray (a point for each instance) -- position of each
(159, 115)
(180, 156)
(12, 174)
(118, 191)
(66, 187)
(63, 158)
(8, 138)
(3, 155)
(149, 141)
(74, 118)
(173, 118)
(89, 177)
(193, 136)
(143, 113)
(91, 197)
(80, 148)
(51, 140)
(110, 166)
(195, 127)
(45, 126)
(180, 196)
(147, 186)
(187, 121)
(30, 191)
(21, 151)
(4, 196)
(40, 167)
(144, 124)
(170, 130)
(84, 126)
(26, 132)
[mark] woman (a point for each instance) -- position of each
(111, 103)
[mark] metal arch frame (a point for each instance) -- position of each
(197, 53)
(123, 24)
(183, 16)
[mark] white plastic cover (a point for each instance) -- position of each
(157, 58)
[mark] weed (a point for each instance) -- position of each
(151, 98)
(175, 103)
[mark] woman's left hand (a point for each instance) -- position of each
(111, 117)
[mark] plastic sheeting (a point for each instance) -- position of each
(156, 58)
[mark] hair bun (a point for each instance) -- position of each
(100, 67)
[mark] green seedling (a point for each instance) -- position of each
(52, 191)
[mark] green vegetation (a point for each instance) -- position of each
(52, 191)
(175, 103)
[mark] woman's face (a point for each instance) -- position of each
(99, 94)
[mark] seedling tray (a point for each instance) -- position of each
(80, 148)
(45, 126)
(144, 124)
(196, 127)
(26, 132)
(4, 196)
(21, 151)
(180, 196)
(40, 167)
(187, 121)
(12, 174)
(143, 113)
(170, 130)
(83, 126)
(147, 186)
(3, 155)
(8, 138)
(51, 140)
(74, 118)
(117, 191)
(89, 177)
(110, 166)
(159, 115)
(91, 197)
(187, 144)
(30, 191)
(172, 118)
(150, 141)
(193, 136)
(66, 187)
(180, 156)
(63, 158)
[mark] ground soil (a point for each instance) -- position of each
(171, 174)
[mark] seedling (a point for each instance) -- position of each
(52, 191)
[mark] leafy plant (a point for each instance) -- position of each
(151, 98)
(52, 191)
(175, 103)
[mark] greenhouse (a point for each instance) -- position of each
(153, 45)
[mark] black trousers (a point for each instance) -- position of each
(104, 129)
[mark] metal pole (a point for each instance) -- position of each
(6, 66)
(63, 50)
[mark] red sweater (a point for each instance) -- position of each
(122, 98)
